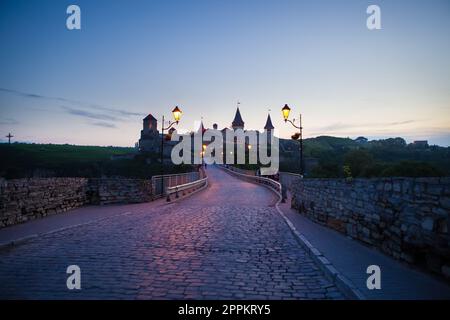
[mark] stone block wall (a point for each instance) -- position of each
(407, 218)
(22, 200)
(109, 191)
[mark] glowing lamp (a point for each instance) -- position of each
(286, 110)
(177, 114)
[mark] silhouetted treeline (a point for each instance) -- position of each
(343, 157)
(20, 160)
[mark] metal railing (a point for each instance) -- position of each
(160, 184)
(271, 184)
(186, 188)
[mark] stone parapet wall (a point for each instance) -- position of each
(22, 200)
(407, 218)
(109, 191)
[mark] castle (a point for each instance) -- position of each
(150, 140)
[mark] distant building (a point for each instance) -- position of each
(150, 140)
(420, 143)
(202, 128)
(269, 126)
(237, 123)
(361, 140)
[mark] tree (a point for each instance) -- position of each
(359, 161)
(412, 169)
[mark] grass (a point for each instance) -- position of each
(20, 160)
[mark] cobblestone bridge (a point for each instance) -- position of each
(226, 242)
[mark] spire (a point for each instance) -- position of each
(269, 125)
(237, 123)
(201, 128)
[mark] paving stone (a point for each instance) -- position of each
(225, 242)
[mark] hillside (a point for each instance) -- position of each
(325, 157)
(20, 160)
(377, 158)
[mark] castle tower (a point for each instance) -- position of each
(269, 126)
(150, 139)
(150, 125)
(202, 128)
(268, 132)
(237, 123)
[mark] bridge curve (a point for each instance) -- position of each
(227, 189)
(226, 242)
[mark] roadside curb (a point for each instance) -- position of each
(342, 282)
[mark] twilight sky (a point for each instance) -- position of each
(93, 86)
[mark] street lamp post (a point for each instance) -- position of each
(298, 136)
(177, 116)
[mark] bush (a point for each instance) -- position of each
(412, 169)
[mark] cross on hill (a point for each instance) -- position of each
(9, 136)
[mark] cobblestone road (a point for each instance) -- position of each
(227, 242)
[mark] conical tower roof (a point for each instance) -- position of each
(269, 125)
(201, 128)
(237, 122)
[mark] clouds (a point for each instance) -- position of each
(340, 126)
(109, 117)
(23, 94)
(90, 115)
(94, 116)
(8, 121)
(104, 125)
